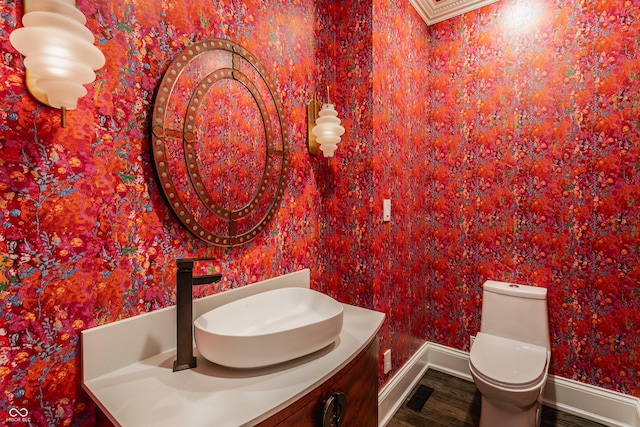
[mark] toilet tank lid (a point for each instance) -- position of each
(515, 289)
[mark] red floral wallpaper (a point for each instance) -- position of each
(507, 155)
(86, 237)
(531, 172)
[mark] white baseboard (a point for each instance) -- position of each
(593, 403)
(429, 356)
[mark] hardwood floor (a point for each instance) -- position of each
(455, 402)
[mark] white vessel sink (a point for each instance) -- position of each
(268, 328)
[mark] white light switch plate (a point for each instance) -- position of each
(386, 210)
(387, 361)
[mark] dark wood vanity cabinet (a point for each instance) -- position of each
(358, 381)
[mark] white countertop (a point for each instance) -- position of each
(146, 392)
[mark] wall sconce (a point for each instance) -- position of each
(59, 53)
(324, 132)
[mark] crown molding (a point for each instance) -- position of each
(433, 11)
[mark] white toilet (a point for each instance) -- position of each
(510, 356)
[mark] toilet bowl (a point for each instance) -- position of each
(510, 376)
(509, 358)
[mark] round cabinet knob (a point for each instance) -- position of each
(333, 410)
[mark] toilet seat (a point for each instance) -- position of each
(508, 363)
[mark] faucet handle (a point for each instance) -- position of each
(187, 263)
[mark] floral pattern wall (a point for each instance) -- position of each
(86, 237)
(509, 144)
(507, 155)
(532, 175)
(400, 84)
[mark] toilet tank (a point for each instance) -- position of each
(515, 311)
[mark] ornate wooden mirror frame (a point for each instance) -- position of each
(218, 142)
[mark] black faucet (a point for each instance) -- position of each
(184, 311)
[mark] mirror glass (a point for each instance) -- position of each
(218, 143)
(229, 126)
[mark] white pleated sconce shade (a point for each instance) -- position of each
(58, 50)
(324, 131)
(328, 130)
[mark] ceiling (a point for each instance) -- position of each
(433, 11)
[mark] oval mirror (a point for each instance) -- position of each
(218, 143)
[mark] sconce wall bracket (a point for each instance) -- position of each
(312, 113)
